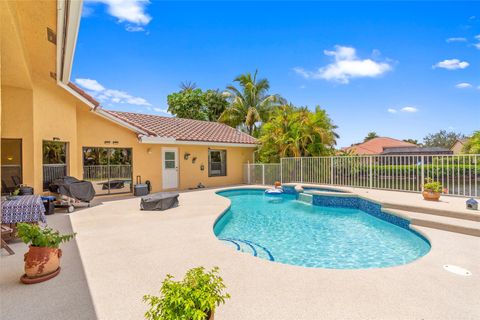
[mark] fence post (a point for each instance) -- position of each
(370, 182)
(301, 170)
(248, 173)
(263, 174)
(331, 170)
(422, 167)
(281, 171)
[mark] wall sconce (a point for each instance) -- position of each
(56, 139)
(186, 155)
(202, 167)
(194, 159)
(149, 151)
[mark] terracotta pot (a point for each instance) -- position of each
(41, 261)
(431, 196)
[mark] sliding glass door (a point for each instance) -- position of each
(109, 169)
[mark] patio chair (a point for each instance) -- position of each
(16, 181)
(7, 233)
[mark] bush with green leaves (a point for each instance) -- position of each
(34, 235)
(193, 298)
(432, 186)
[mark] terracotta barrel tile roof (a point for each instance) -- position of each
(376, 145)
(84, 94)
(184, 129)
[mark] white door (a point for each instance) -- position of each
(170, 168)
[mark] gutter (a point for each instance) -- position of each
(166, 140)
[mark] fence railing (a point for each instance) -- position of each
(459, 174)
(102, 172)
(52, 172)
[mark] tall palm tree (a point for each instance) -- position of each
(250, 103)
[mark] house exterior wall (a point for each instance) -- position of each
(457, 148)
(93, 131)
(35, 109)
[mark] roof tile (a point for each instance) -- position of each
(184, 129)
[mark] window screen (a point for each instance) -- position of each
(217, 163)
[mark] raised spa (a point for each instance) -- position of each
(332, 232)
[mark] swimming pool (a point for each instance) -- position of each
(280, 228)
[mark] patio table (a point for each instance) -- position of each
(23, 209)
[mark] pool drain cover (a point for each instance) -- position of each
(457, 270)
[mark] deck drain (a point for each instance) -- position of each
(457, 270)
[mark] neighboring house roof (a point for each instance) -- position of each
(376, 145)
(460, 142)
(416, 150)
(184, 129)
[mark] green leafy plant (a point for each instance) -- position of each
(193, 298)
(36, 236)
(432, 186)
(16, 192)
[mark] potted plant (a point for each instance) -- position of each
(42, 261)
(432, 190)
(195, 297)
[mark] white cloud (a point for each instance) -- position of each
(456, 39)
(409, 109)
(346, 66)
(132, 11)
(477, 37)
(90, 84)
(452, 64)
(134, 28)
(404, 109)
(463, 85)
(477, 45)
(161, 110)
(105, 95)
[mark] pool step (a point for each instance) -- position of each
(305, 197)
(249, 247)
(468, 227)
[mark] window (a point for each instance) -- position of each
(54, 161)
(169, 160)
(217, 163)
(11, 164)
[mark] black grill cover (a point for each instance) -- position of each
(159, 201)
(73, 188)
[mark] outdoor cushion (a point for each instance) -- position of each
(159, 201)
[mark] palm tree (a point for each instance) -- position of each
(250, 103)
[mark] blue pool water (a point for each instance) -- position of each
(282, 229)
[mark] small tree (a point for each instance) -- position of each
(473, 144)
(187, 103)
(371, 135)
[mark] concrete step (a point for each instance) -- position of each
(472, 216)
(464, 226)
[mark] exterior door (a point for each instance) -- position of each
(170, 168)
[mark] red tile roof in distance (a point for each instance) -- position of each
(184, 129)
(84, 94)
(376, 145)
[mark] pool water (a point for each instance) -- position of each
(282, 229)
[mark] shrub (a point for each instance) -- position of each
(432, 186)
(41, 237)
(195, 297)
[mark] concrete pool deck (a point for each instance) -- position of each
(126, 253)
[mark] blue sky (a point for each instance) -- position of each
(400, 69)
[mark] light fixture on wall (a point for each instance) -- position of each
(56, 139)
(186, 155)
(149, 151)
(194, 159)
